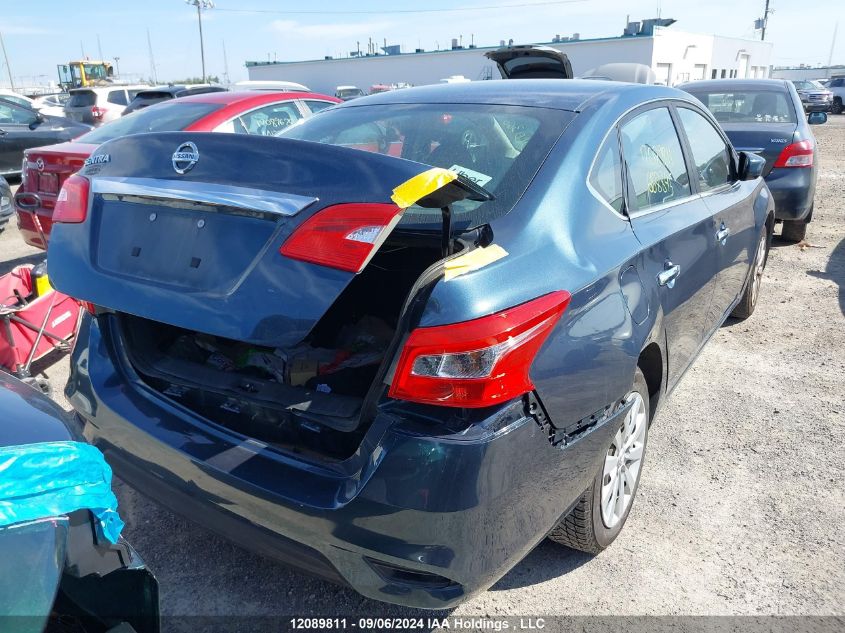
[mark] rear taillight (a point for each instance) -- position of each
(476, 363)
(72, 201)
(343, 236)
(98, 112)
(798, 154)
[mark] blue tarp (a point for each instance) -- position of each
(50, 479)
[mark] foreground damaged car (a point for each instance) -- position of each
(64, 566)
(404, 343)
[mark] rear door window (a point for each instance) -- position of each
(11, 114)
(711, 155)
(117, 96)
(606, 175)
(657, 173)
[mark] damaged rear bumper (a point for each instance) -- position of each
(411, 518)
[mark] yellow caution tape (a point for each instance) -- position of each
(421, 185)
(479, 258)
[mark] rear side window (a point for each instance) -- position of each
(709, 151)
(170, 116)
(606, 176)
(81, 99)
(748, 106)
(269, 120)
(656, 170)
(316, 106)
(117, 96)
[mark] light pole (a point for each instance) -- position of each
(200, 5)
(117, 63)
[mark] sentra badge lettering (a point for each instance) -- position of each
(185, 157)
(97, 159)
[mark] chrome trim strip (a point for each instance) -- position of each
(285, 204)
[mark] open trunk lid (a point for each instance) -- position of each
(531, 62)
(186, 229)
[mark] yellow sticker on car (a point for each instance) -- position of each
(414, 189)
(478, 258)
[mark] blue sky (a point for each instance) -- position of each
(41, 34)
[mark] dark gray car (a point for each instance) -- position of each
(6, 208)
(22, 128)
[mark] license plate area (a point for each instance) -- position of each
(199, 249)
(48, 183)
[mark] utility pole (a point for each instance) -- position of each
(832, 46)
(200, 5)
(765, 21)
(8, 67)
(152, 59)
(99, 48)
(225, 65)
(117, 64)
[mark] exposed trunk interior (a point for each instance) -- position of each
(307, 399)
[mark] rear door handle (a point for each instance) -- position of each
(667, 277)
(722, 234)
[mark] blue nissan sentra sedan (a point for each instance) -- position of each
(418, 333)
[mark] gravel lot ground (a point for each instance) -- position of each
(740, 510)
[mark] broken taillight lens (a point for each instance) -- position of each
(477, 363)
(72, 201)
(343, 236)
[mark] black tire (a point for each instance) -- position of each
(583, 528)
(794, 230)
(836, 108)
(746, 305)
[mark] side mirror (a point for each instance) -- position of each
(750, 166)
(37, 119)
(817, 118)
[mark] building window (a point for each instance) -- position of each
(724, 73)
(713, 74)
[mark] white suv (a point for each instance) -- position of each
(101, 104)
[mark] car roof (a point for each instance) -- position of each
(559, 94)
(250, 97)
(735, 84)
(100, 89)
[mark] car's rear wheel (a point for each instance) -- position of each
(794, 230)
(746, 305)
(598, 517)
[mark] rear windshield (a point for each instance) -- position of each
(170, 116)
(149, 95)
(349, 92)
(499, 147)
(82, 99)
(748, 106)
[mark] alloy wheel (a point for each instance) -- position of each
(623, 462)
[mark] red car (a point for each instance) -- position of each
(46, 168)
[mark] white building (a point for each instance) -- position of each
(675, 56)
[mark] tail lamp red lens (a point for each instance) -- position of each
(72, 201)
(798, 154)
(98, 112)
(343, 236)
(477, 363)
